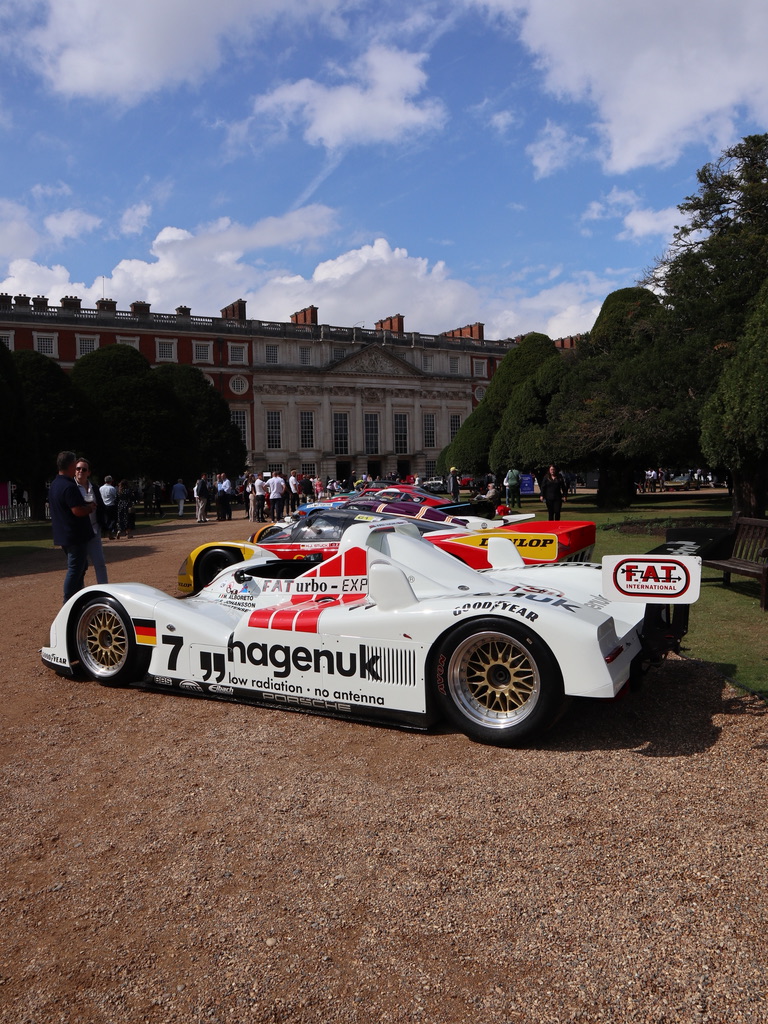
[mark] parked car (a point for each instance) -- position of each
(314, 535)
(319, 532)
(390, 629)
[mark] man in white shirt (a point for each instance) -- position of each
(259, 491)
(224, 497)
(108, 493)
(276, 486)
(293, 492)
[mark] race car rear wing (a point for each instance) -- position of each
(652, 579)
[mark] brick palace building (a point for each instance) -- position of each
(327, 401)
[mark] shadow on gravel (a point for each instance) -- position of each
(147, 540)
(671, 714)
(45, 560)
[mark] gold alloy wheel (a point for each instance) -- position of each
(103, 640)
(494, 680)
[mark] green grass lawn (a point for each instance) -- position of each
(727, 626)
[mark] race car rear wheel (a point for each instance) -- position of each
(105, 642)
(211, 563)
(498, 682)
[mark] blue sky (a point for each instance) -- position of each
(503, 161)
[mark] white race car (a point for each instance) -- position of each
(390, 629)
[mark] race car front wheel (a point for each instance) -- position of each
(105, 642)
(212, 562)
(498, 682)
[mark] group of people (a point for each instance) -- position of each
(554, 488)
(652, 480)
(273, 497)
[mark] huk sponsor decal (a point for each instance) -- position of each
(284, 659)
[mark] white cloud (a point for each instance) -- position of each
(503, 120)
(661, 74)
(644, 223)
(25, 277)
(18, 237)
(568, 307)
(124, 52)
(639, 221)
(135, 219)
(206, 270)
(70, 224)
(375, 105)
(41, 192)
(370, 283)
(554, 149)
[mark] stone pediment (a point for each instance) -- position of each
(375, 361)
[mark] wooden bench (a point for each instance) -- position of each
(748, 555)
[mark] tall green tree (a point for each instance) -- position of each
(56, 420)
(470, 450)
(524, 439)
(135, 417)
(735, 419)
(716, 263)
(627, 402)
(712, 275)
(204, 436)
(12, 418)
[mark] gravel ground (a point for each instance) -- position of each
(172, 859)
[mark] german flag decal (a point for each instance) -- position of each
(146, 631)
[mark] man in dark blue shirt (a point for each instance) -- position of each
(71, 526)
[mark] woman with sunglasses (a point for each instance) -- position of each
(98, 518)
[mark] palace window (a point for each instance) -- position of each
(240, 418)
(85, 343)
(165, 350)
(274, 431)
(429, 430)
(306, 429)
(46, 344)
(455, 425)
(371, 433)
(341, 433)
(401, 433)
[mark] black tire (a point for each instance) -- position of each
(211, 562)
(105, 643)
(498, 682)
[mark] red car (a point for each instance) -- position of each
(317, 536)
